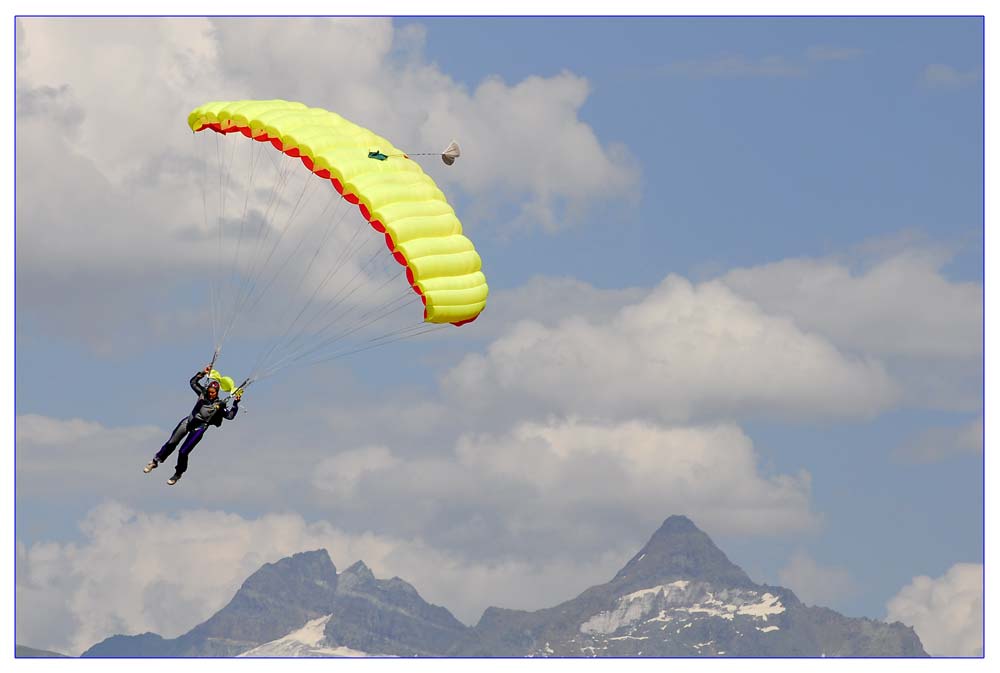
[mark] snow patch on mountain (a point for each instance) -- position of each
(768, 605)
(656, 604)
(304, 642)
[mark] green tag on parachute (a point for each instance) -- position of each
(378, 155)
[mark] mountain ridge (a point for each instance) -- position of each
(679, 595)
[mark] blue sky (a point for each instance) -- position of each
(818, 181)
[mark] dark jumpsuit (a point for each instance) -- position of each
(206, 412)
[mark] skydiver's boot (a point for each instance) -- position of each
(173, 479)
(150, 466)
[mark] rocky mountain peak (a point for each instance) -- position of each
(356, 576)
(273, 601)
(309, 567)
(679, 550)
(676, 524)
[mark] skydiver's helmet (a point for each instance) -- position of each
(213, 386)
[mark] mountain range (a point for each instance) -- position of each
(679, 596)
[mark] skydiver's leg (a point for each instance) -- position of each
(188, 447)
(175, 438)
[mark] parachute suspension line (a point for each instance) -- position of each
(288, 225)
(222, 208)
(336, 356)
(278, 273)
(343, 256)
(258, 264)
(384, 310)
(218, 277)
(263, 230)
(238, 288)
(349, 330)
(381, 312)
(414, 332)
(337, 298)
(346, 253)
(406, 294)
(257, 270)
(222, 288)
(252, 161)
(332, 225)
(204, 211)
(389, 266)
(290, 348)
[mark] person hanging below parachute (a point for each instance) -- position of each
(323, 307)
(208, 410)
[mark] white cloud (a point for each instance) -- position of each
(774, 65)
(497, 496)
(124, 577)
(736, 65)
(68, 460)
(900, 306)
(946, 612)
(816, 584)
(59, 457)
(943, 442)
(831, 53)
(511, 494)
(685, 351)
(339, 475)
(709, 471)
(942, 76)
(551, 300)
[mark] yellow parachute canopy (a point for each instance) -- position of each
(391, 190)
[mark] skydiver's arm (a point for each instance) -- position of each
(230, 412)
(196, 385)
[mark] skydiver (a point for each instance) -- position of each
(208, 410)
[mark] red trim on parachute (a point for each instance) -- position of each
(466, 321)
